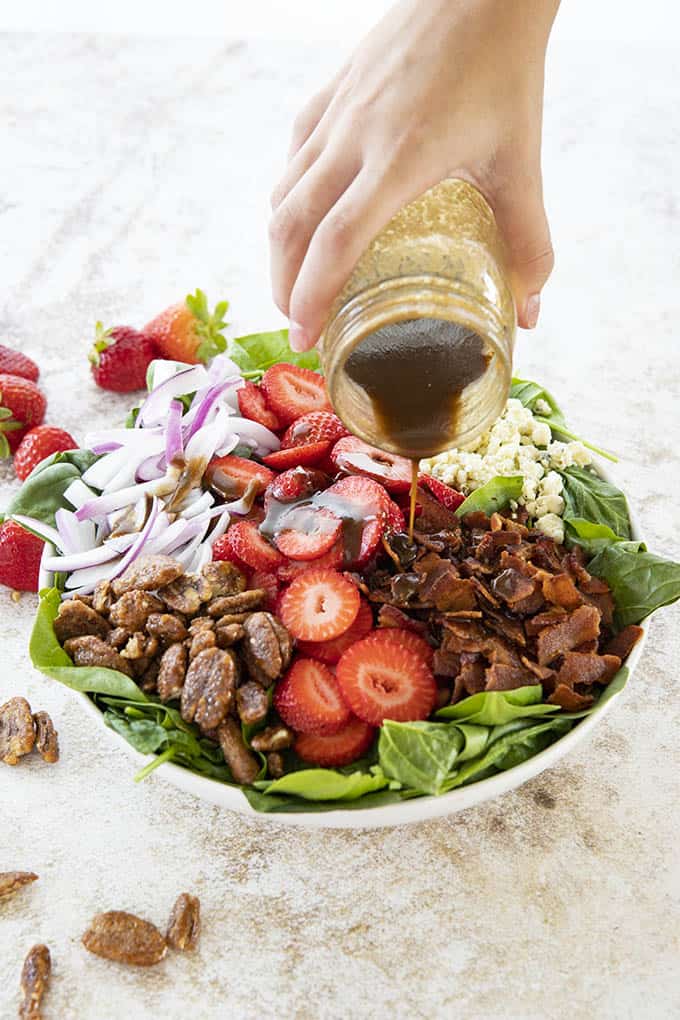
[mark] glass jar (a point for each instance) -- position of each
(439, 260)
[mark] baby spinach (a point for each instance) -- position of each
(512, 748)
(288, 804)
(532, 395)
(587, 497)
(493, 708)
(492, 496)
(640, 581)
(145, 735)
(419, 755)
(590, 537)
(42, 494)
(325, 784)
(255, 353)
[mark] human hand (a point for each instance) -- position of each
(447, 88)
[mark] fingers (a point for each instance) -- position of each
(308, 118)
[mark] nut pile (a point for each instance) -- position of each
(202, 640)
(22, 730)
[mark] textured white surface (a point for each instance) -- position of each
(133, 171)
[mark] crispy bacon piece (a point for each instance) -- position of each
(581, 625)
(560, 590)
(622, 644)
(570, 700)
(504, 677)
(579, 668)
(391, 616)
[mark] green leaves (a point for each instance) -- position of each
(544, 407)
(589, 498)
(494, 708)
(492, 496)
(419, 755)
(42, 494)
(326, 784)
(640, 581)
(509, 748)
(208, 325)
(255, 353)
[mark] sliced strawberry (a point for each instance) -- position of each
(319, 605)
(296, 483)
(230, 476)
(407, 639)
(363, 505)
(268, 582)
(331, 651)
(447, 496)
(252, 404)
(357, 457)
(336, 749)
(395, 520)
(297, 456)
(223, 550)
(381, 679)
(292, 391)
(332, 560)
(318, 532)
(315, 427)
(244, 543)
(309, 700)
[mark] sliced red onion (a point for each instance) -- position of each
(102, 505)
(106, 468)
(78, 493)
(121, 437)
(161, 369)
(76, 535)
(187, 555)
(220, 528)
(174, 444)
(202, 445)
(264, 440)
(100, 448)
(228, 446)
(204, 502)
(45, 576)
(175, 536)
(208, 402)
(222, 367)
(151, 467)
(39, 528)
(155, 407)
(75, 561)
(84, 580)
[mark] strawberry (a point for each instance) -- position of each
(297, 456)
(331, 651)
(357, 457)
(295, 483)
(315, 427)
(252, 405)
(292, 391)
(308, 699)
(16, 363)
(331, 560)
(447, 496)
(39, 443)
(230, 476)
(335, 749)
(22, 406)
(382, 679)
(408, 639)
(364, 505)
(189, 331)
(120, 357)
(395, 520)
(243, 543)
(269, 583)
(319, 605)
(20, 554)
(319, 530)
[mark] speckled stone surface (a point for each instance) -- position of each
(133, 171)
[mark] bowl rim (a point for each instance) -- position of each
(418, 809)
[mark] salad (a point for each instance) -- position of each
(229, 578)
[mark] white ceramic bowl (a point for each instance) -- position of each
(417, 810)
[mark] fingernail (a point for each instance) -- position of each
(298, 337)
(531, 310)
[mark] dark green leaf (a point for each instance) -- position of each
(325, 784)
(144, 735)
(492, 496)
(42, 494)
(590, 537)
(640, 581)
(587, 497)
(419, 755)
(255, 353)
(507, 751)
(494, 708)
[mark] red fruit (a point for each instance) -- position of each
(16, 363)
(335, 749)
(189, 331)
(364, 505)
(395, 520)
(120, 358)
(318, 533)
(252, 405)
(297, 456)
(447, 496)
(243, 543)
(319, 605)
(408, 639)
(331, 651)
(222, 550)
(296, 483)
(381, 679)
(39, 443)
(20, 553)
(230, 476)
(331, 560)
(292, 391)
(315, 427)
(269, 582)
(357, 457)
(22, 407)
(308, 699)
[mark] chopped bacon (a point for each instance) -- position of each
(504, 677)
(536, 624)
(579, 668)
(581, 625)
(434, 516)
(570, 700)
(391, 616)
(560, 590)
(622, 644)
(542, 672)
(446, 663)
(512, 586)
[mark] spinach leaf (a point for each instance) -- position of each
(255, 353)
(325, 784)
(475, 740)
(419, 755)
(509, 750)
(288, 804)
(145, 735)
(493, 708)
(42, 494)
(590, 537)
(492, 496)
(640, 581)
(587, 497)
(534, 396)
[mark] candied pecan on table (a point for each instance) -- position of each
(183, 595)
(267, 647)
(133, 609)
(12, 881)
(92, 651)
(147, 572)
(244, 765)
(223, 578)
(171, 672)
(184, 925)
(209, 686)
(204, 638)
(243, 602)
(35, 976)
(76, 619)
(229, 634)
(166, 626)
(46, 738)
(273, 739)
(17, 730)
(125, 938)
(252, 703)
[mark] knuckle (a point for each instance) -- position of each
(282, 226)
(338, 229)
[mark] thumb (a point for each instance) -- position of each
(521, 218)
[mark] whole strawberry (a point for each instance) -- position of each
(20, 553)
(120, 357)
(15, 363)
(22, 406)
(189, 331)
(38, 444)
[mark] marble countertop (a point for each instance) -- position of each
(134, 170)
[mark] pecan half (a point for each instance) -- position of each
(125, 938)
(117, 637)
(133, 609)
(184, 925)
(172, 672)
(244, 765)
(229, 634)
(223, 578)
(11, 881)
(166, 627)
(273, 738)
(46, 738)
(252, 703)
(205, 638)
(17, 730)
(275, 766)
(208, 692)
(102, 597)
(147, 573)
(267, 647)
(35, 976)
(182, 595)
(244, 602)
(76, 619)
(92, 651)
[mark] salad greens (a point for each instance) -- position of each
(255, 353)
(42, 494)
(587, 497)
(494, 495)
(640, 581)
(494, 708)
(535, 397)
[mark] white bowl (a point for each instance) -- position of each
(419, 809)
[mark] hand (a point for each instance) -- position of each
(447, 88)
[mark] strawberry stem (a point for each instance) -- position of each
(208, 325)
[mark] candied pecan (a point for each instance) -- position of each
(35, 976)
(135, 647)
(182, 595)
(201, 623)
(252, 703)
(273, 738)
(148, 573)
(622, 644)
(92, 651)
(125, 938)
(205, 638)
(166, 626)
(46, 738)
(229, 635)
(583, 624)
(87, 599)
(244, 765)
(243, 602)
(117, 637)
(133, 609)
(12, 881)
(223, 578)
(17, 730)
(171, 673)
(75, 619)
(208, 692)
(148, 681)
(275, 766)
(267, 646)
(230, 618)
(184, 925)
(102, 597)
